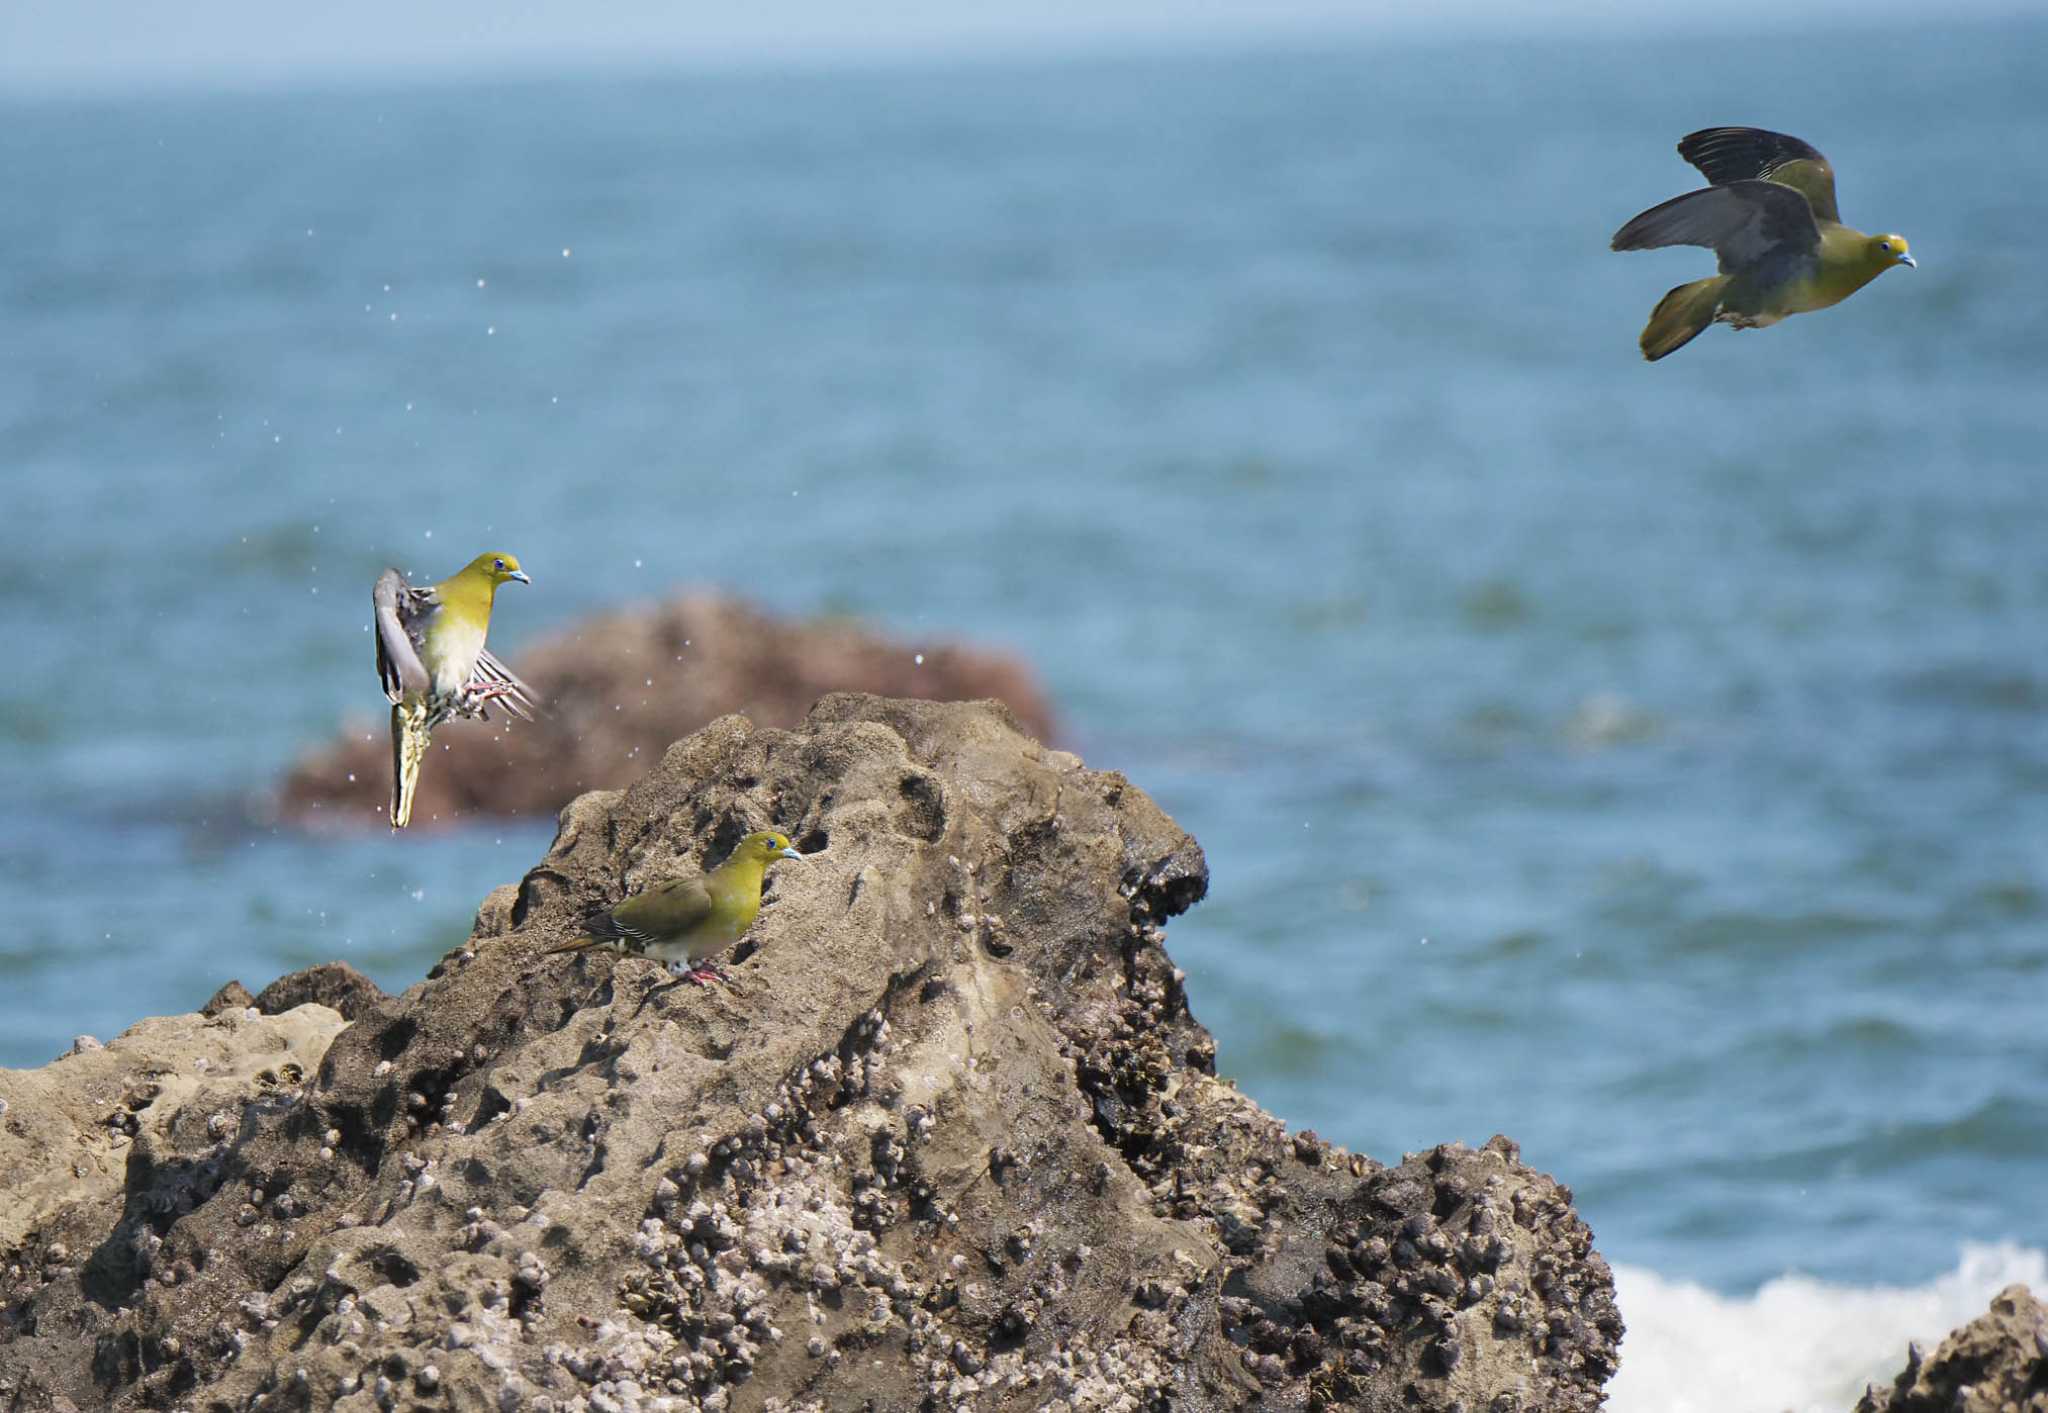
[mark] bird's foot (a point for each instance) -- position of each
(477, 700)
(702, 974)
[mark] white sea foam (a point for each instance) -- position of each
(1798, 1345)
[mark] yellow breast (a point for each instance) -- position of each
(451, 652)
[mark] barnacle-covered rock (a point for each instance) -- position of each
(1997, 1363)
(950, 1139)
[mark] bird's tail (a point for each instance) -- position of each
(581, 944)
(1681, 314)
(409, 732)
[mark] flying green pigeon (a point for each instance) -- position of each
(432, 662)
(1770, 217)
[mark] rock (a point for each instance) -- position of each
(110, 1145)
(902, 1160)
(232, 997)
(335, 985)
(1998, 1363)
(619, 688)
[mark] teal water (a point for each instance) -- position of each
(1648, 762)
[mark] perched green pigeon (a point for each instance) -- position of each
(688, 919)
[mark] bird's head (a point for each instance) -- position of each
(766, 845)
(497, 567)
(1891, 250)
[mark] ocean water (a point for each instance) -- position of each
(1648, 762)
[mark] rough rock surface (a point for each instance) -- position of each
(100, 1144)
(618, 689)
(951, 1138)
(1998, 1363)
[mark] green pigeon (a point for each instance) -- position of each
(433, 664)
(1770, 218)
(687, 919)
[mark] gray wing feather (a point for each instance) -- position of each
(1743, 223)
(401, 611)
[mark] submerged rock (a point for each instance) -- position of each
(951, 1138)
(1998, 1363)
(617, 689)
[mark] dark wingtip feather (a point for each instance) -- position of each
(1731, 154)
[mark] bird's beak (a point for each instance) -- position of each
(520, 575)
(1905, 259)
(790, 854)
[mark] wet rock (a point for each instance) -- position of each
(619, 688)
(885, 1167)
(1998, 1363)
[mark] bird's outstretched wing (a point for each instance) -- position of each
(401, 616)
(1726, 155)
(1744, 223)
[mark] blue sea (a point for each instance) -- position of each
(1648, 762)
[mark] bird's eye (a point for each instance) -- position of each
(1884, 245)
(500, 564)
